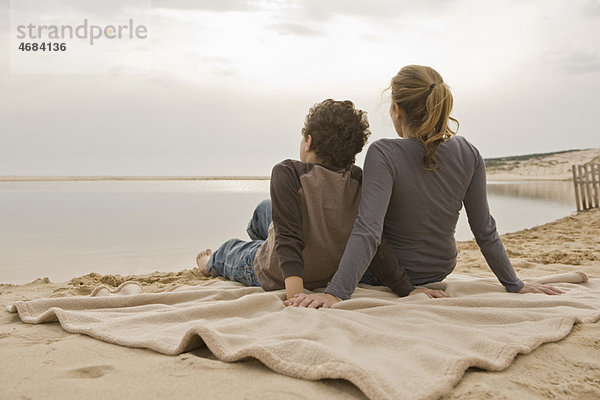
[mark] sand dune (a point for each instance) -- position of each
(551, 166)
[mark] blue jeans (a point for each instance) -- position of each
(234, 260)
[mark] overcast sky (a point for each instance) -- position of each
(227, 83)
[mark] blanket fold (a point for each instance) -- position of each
(389, 347)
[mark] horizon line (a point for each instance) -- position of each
(16, 178)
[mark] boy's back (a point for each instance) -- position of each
(313, 210)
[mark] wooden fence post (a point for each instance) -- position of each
(581, 177)
(575, 181)
(588, 186)
(595, 182)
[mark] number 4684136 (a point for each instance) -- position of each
(49, 46)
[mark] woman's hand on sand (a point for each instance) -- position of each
(540, 288)
(432, 293)
(315, 300)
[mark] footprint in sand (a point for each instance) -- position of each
(96, 371)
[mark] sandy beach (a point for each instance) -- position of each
(45, 362)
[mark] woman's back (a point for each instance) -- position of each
(423, 204)
(417, 209)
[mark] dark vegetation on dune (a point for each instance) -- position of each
(500, 161)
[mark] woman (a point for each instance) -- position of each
(413, 190)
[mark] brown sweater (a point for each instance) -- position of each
(313, 209)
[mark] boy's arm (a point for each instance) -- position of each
(293, 285)
(287, 224)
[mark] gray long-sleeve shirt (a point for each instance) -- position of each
(417, 209)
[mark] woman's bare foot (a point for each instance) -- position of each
(201, 260)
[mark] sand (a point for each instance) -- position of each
(42, 361)
(569, 369)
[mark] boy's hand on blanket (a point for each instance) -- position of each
(540, 288)
(315, 300)
(434, 294)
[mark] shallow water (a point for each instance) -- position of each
(521, 205)
(64, 229)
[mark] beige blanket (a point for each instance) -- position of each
(389, 347)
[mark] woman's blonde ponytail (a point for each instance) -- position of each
(427, 102)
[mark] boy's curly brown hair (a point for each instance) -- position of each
(339, 131)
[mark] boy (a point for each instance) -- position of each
(299, 236)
